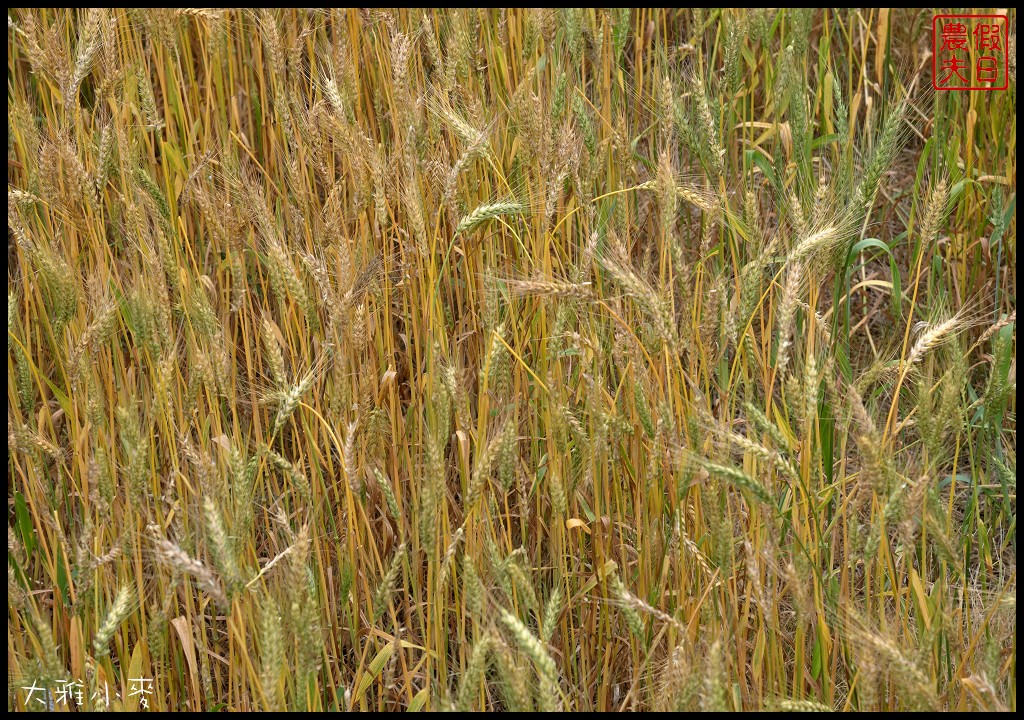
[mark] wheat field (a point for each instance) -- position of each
(507, 360)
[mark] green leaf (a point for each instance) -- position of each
(753, 156)
(62, 577)
(373, 670)
(24, 520)
(897, 285)
(419, 700)
(816, 658)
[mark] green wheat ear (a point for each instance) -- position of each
(485, 212)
